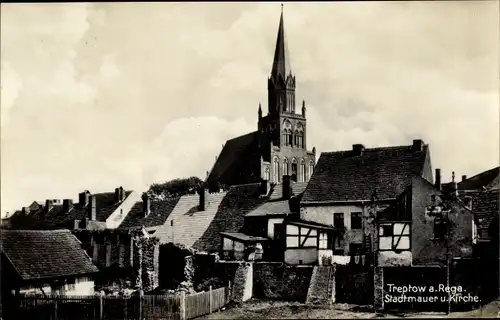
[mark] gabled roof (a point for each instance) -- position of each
(238, 162)
(45, 254)
(160, 211)
(230, 216)
(275, 205)
(56, 218)
(486, 179)
(186, 224)
(344, 176)
(485, 206)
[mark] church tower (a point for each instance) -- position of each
(279, 145)
(283, 131)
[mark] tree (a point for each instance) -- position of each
(175, 188)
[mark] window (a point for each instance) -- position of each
(302, 170)
(338, 220)
(355, 248)
(311, 170)
(267, 174)
(276, 166)
(290, 139)
(294, 170)
(387, 230)
(325, 241)
(70, 284)
(356, 221)
(439, 228)
(285, 167)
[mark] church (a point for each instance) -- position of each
(279, 145)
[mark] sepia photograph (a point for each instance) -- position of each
(250, 160)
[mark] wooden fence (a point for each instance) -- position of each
(178, 307)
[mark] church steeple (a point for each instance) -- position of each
(281, 84)
(281, 62)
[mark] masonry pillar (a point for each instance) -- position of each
(378, 279)
(243, 283)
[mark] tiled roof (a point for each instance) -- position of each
(189, 224)
(56, 218)
(274, 204)
(238, 162)
(45, 254)
(343, 176)
(271, 207)
(160, 211)
(487, 179)
(230, 217)
(485, 206)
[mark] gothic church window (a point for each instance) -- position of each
(285, 167)
(276, 166)
(311, 170)
(267, 174)
(294, 170)
(302, 171)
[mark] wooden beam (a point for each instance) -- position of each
(306, 237)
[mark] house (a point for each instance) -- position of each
(481, 193)
(95, 211)
(487, 180)
(340, 192)
(45, 262)
(122, 254)
(424, 226)
(279, 145)
(195, 220)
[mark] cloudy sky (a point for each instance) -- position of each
(101, 95)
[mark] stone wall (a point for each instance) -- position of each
(281, 282)
(217, 274)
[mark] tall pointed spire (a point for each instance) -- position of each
(281, 62)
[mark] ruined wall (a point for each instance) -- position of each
(280, 281)
(243, 283)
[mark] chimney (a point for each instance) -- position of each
(357, 149)
(468, 202)
(92, 208)
(49, 204)
(417, 145)
(464, 177)
(146, 201)
(119, 195)
(25, 211)
(83, 198)
(264, 187)
(203, 194)
(454, 185)
(76, 224)
(438, 179)
(286, 187)
(67, 205)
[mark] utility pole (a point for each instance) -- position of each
(448, 260)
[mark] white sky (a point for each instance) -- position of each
(103, 95)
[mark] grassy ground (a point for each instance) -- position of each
(256, 309)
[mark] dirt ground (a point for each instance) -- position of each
(257, 309)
